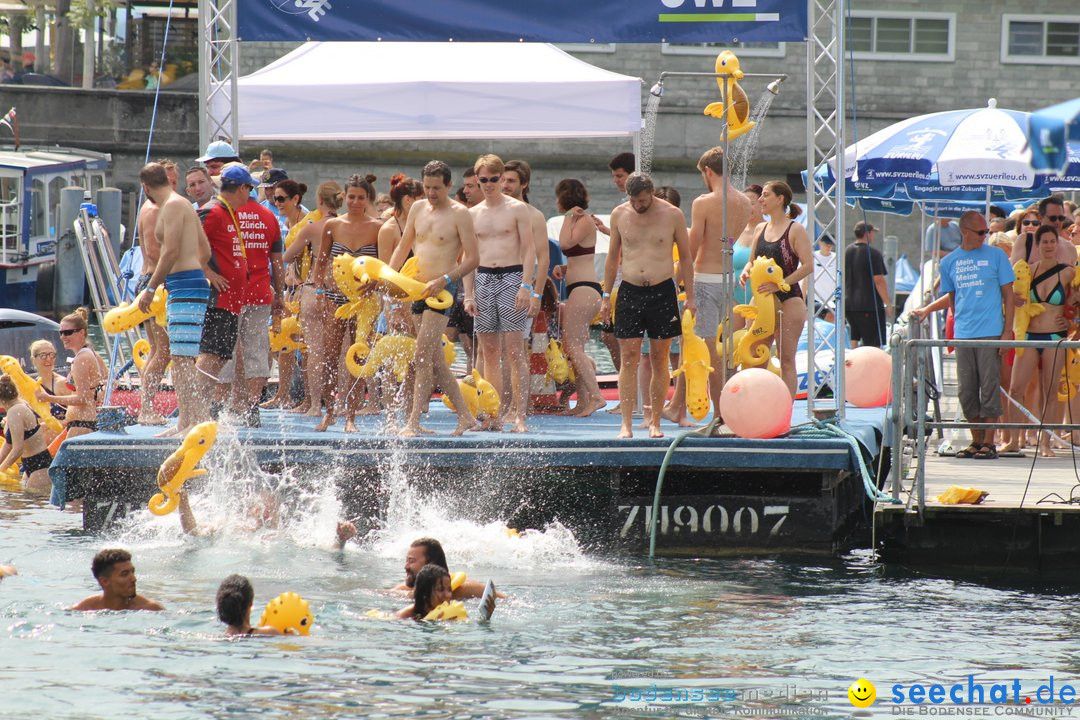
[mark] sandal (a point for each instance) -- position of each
(986, 452)
(969, 452)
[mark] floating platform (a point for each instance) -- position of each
(1026, 526)
(720, 495)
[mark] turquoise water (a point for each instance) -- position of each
(782, 635)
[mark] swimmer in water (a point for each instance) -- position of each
(6, 570)
(115, 574)
(432, 589)
(427, 551)
(234, 599)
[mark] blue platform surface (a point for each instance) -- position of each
(552, 441)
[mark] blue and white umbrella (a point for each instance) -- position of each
(983, 147)
(1049, 130)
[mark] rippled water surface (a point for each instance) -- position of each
(576, 631)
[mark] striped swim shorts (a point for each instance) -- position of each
(495, 294)
(189, 292)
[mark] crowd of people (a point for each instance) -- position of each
(239, 254)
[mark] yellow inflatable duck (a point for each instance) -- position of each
(1070, 376)
(288, 338)
(12, 477)
(761, 311)
(179, 467)
(127, 316)
(27, 387)
(471, 396)
(398, 284)
(449, 610)
(448, 352)
(737, 111)
(1023, 313)
(489, 398)
(695, 366)
(289, 613)
(558, 369)
(393, 352)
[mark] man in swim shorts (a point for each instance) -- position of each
(115, 574)
(712, 245)
(440, 234)
(502, 298)
(184, 251)
(158, 358)
(643, 231)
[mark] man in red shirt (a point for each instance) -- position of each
(250, 366)
(227, 270)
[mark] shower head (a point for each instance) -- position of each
(657, 89)
(774, 86)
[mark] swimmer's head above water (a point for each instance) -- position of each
(432, 589)
(423, 551)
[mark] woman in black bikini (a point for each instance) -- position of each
(787, 243)
(577, 239)
(23, 438)
(88, 375)
(43, 355)
(1049, 288)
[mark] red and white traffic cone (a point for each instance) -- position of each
(543, 396)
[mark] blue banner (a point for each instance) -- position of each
(559, 21)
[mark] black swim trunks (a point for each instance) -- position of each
(219, 333)
(651, 310)
(420, 306)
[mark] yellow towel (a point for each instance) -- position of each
(957, 495)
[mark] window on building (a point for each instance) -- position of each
(914, 37)
(747, 49)
(1040, 39)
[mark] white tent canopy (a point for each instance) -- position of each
(386, 91)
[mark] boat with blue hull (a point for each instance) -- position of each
(31, 180)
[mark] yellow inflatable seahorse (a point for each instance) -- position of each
(367, 310)
(343, 276)
(398, 284)
(288, 338)
(1023, 313)
(761, 312)
(449, 610)
(695, 366)
(126, 315)
(27, 387)
(139, 351)
(557, 367)
(1070, 376)
(394, 352)
(737, 110)
(179, 467)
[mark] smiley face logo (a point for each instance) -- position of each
(862, 693)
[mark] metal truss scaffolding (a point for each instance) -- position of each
(825, 142)
(219, 53)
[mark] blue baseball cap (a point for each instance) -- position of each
(237, 176)
(218, 150)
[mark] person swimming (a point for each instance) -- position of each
(431, 589)
(235, 597)
(115, 574)
(425, 551)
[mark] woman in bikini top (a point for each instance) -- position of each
(1050, 289)
(88, 376)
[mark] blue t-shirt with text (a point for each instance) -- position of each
(975, 277)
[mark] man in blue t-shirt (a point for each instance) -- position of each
(977, 282)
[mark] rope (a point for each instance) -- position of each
(829, 429)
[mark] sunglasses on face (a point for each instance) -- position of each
(66, 333)
(1030, 222)
(486, 180)
(1056, 218)
(980, 233)
(45, 355)
(280, 198)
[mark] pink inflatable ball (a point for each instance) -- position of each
(755, 403)
(868, 377)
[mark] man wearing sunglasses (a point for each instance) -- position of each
(1052, 213)
(976, 280)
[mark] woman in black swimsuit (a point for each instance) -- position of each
(577, 239)
(787, 243)
(43, 355)
(24, 439)
(88, 375)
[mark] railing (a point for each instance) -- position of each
(910, 369)
(9, 233)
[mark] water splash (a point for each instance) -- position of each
(648, 133)
(742, 155)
